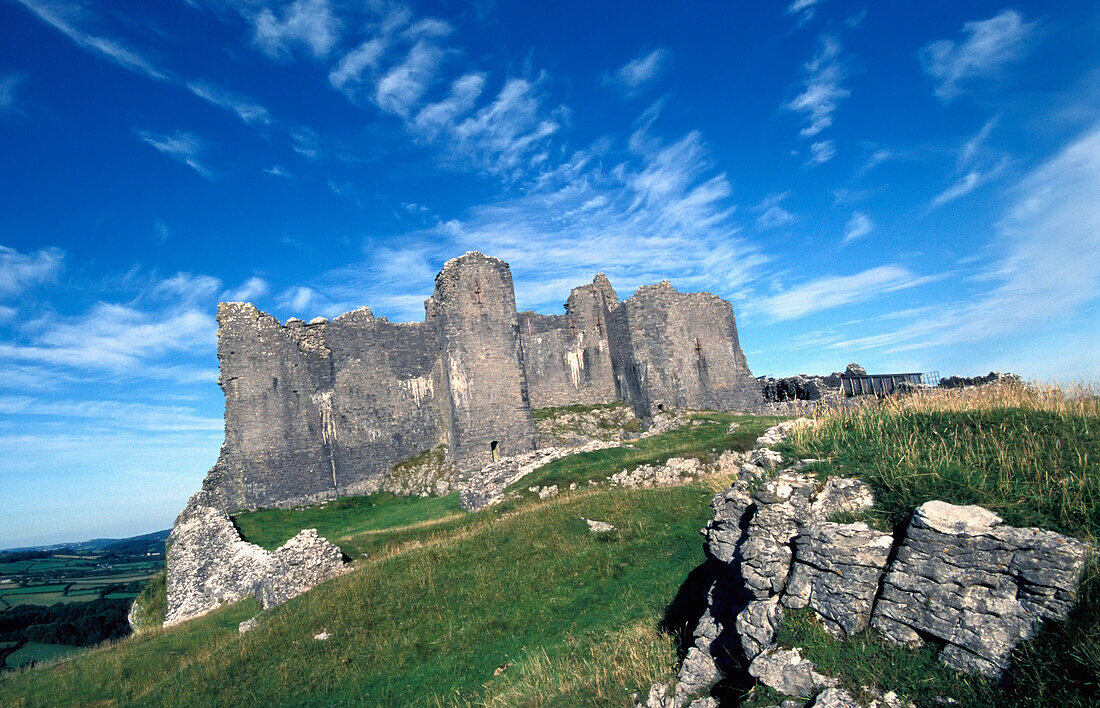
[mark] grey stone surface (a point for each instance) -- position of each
(568, 357)
(981, 587)
(836, 573)
(567, 427)
(835, 698)
(599, 526)
(676, 470)
(326, 409)
(787, 672)
(757, 624)
(210, 565)
(247, 626)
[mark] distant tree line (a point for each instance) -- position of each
(80, 624)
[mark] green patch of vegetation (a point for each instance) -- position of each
(38, 653)
(704, 441)
(151, 606)
(1032, 467)
(358, 525)
(874, 518)
(522, 605)
(555, 411)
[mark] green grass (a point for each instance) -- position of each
(359, 525)
(865, 660)
(704, 441)
(571, 615)
(1032, 467)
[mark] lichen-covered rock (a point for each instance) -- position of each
(835, 698)
(209, 564)
(836, 573)
(787, 672)
(598, 526)
(757, 624)
(675, 471)
(981, 587)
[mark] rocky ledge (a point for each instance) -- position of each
(209, 564)
(957, 576)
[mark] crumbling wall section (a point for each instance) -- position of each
(273, 377)
(384, 397)
(567, 358)
(679, 350)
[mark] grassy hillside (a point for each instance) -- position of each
(532, 590)
(516, 605)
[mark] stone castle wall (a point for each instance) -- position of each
(679, 350)
(326, 409)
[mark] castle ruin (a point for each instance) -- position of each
(326, 409)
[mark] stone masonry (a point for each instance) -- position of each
(327, 409)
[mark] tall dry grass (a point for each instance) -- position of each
(1030, 452)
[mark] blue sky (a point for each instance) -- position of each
(911, 185)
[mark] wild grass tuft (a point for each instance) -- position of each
(1029, 453)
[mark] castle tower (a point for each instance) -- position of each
(485, 409)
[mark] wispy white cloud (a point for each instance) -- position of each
(180, 146)
(250, 289)
(661, 212)
(121, 339)
(833, 291)
(348, 74)
(505, 135)
(8, 86)
(821, 152)
(131, 415)
(636, 73)
(68, 17)
(858, 226)
(804, 10)
(1049, 259)
(310, 24)
(989, 46)
(306, 303)
(973, 147)
(773, 216)
(278, 171)
(402, 87)
(435, 118)
(976, 165)
(20, 271)
(821, 88)
(250, 112)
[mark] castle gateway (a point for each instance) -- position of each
(326, 409)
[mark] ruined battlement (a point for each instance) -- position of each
(326, 409)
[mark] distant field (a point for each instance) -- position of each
(69, 578)
(34, 651)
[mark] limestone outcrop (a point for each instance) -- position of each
(957, 576)
(965, 579)
(209, 564)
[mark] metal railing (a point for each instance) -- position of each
(883, 384)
